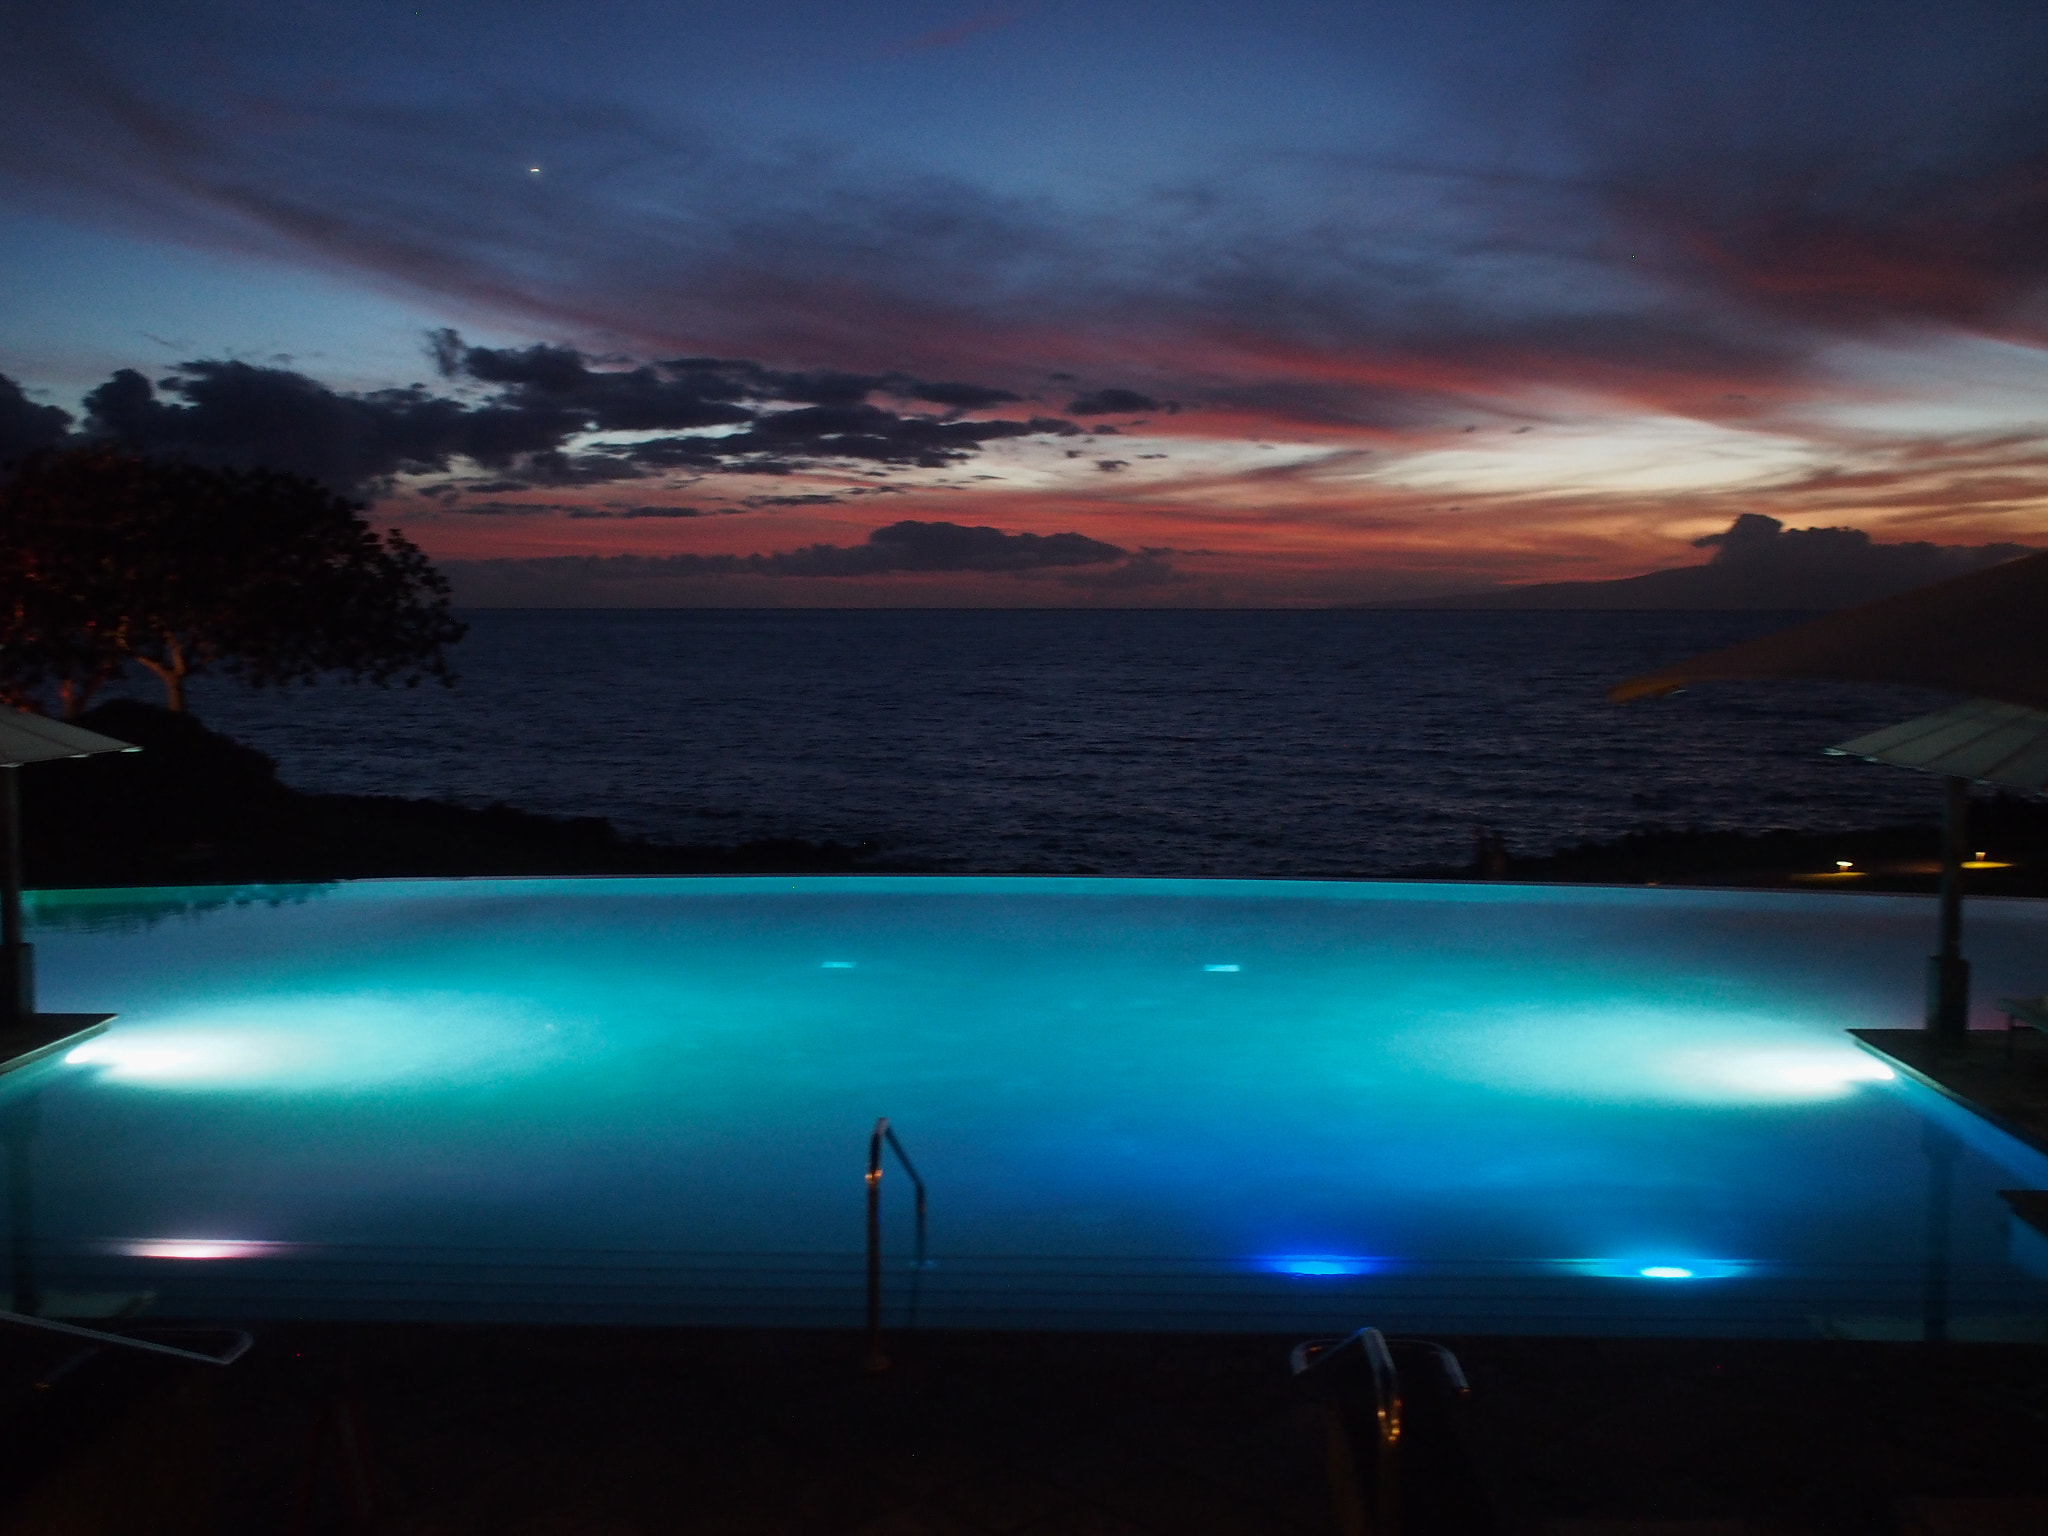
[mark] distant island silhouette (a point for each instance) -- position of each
(1758, 564)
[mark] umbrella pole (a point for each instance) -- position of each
(1948, 973)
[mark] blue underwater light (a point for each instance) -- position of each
(1320, 1266)
(1641, 1266)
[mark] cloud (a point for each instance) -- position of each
(965, 397)
(680, 392)
(961, 31)
(1760, 546)
(1111, 402)
(632, 513)
(903, 548)
(1146, 569)
(518, 509)
(1777, 175)
(539, 409)
(238, 413)
(26, 427)
(556, 384)
(868, 432)
(914, 546)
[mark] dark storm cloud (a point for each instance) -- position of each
(905, 548)
(537, 403)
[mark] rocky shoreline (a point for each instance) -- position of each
(195, 807)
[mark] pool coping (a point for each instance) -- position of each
(45, 1034)
(1915, 1054)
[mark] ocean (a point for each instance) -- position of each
(1119, 743)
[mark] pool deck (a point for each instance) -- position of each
(45, 1034)
(632, 1432)
(2005, 1080)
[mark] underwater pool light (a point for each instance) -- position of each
(196, 1248)
(836, 965)
(1646, 1266)
(344, 1041)
(1222, 967)
(1320, 1266)
(1806, 1072)
(171, 1056)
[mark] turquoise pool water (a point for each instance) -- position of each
(1148, 1104)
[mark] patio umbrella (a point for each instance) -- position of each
(26, 738)
(1984, 634)
(1983, 740)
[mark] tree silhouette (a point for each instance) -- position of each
(108, 558)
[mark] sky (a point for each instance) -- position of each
(780, 303)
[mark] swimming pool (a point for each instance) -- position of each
(1137, 1103)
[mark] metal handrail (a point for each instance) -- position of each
(876, 1359)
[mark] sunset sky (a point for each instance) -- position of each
(1296, 303)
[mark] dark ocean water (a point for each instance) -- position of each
(1129, 743)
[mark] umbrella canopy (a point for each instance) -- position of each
(26, 738)
(1983, 740)
(1984, 634)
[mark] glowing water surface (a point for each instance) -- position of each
(1137, 1103)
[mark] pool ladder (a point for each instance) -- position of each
(877, 1360)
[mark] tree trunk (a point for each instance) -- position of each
(75, 698)
(171, 674)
